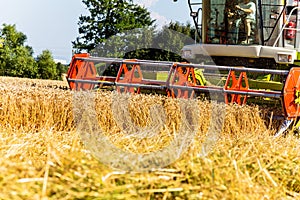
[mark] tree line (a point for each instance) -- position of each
(16, 58)
(113, 28)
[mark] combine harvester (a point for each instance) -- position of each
(256, 59)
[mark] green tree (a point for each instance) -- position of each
(186, 29)
(119, 45)
(1, 42)
(166, 43)
(108, 18)
(172, 38)
(148, 43)
(46, 66)
(15, 58)
(61, 69)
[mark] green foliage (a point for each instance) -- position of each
(148, 43)
(12, 38)
(16, 58)
(185, 29)
(166, 43)
(46, 66)
(108, 18)
(123, 29)
(118, 45)
(60, 69)
(1, 42)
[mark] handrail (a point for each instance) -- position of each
(198, 25)
(284, 26)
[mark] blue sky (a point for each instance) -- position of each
(52, 24)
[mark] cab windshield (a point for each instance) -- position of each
(231, 22)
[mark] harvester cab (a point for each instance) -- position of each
(253, 48)
(262, 34)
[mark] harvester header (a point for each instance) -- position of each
(185, 80)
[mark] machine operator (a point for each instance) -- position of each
(249, 9)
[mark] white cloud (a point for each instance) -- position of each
(146, 3)
(160, 19)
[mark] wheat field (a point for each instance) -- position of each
(43, 155)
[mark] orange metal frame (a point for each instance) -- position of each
(129, 76)
(292, 85)
(236, 85)
(181, 82)
(80, 69)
